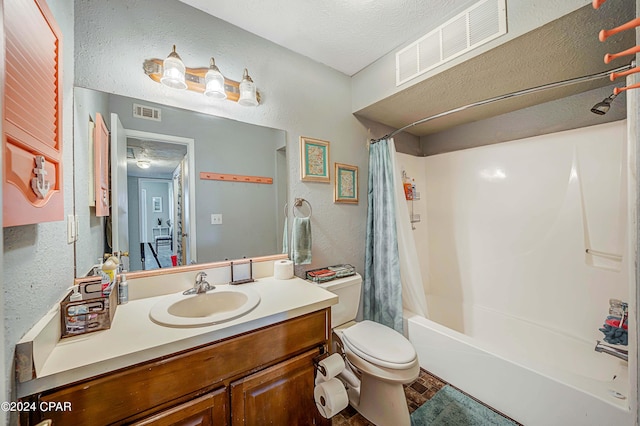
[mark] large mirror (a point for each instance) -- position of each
(173, 205)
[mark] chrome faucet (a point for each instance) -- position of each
(201, 286)
(618, 353)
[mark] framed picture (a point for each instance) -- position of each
(157, 204)
(314, 160)
(346, 185)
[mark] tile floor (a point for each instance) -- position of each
(417, 393)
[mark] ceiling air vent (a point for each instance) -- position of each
(146, 112)
(474, 27)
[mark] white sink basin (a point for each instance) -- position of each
(224, 303)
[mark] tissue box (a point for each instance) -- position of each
(93, 313)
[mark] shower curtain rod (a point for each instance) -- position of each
(511, 95)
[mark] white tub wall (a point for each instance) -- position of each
(509, 226)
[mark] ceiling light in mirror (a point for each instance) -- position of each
(214, 83)
(143, 164)
(173, 71)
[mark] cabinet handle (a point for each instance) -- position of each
(39, 184)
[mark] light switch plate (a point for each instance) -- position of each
(216, 219)
(71, 229)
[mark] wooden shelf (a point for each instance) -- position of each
(235, 178)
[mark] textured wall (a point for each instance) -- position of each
(378, 80)
(549, 117)
(300, 96)
(38, 262)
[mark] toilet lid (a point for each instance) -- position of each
(379, 344)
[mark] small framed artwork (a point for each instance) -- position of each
(157, 204)
(314, 160)
(346, 185)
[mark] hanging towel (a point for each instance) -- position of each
(301, 241)
(285, 238)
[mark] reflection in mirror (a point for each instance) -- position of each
(228, 219)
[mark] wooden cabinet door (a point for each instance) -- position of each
(279, 395)
(32, 136)
(101, 166)
(211, 409)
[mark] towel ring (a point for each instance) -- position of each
(298, 203)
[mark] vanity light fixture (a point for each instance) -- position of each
(143, 164)
(172, 73)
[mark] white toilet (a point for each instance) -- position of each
(380, 360)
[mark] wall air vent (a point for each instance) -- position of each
(479, 24)
(146, 112)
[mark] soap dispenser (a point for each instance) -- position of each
(123, 290)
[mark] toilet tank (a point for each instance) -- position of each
(348, 290)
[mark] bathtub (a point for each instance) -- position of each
(535, 375)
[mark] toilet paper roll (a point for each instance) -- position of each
(331, 397)
(333, 365)
(282, 269)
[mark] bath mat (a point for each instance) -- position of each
(450, 407)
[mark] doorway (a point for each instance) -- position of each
(159, 221)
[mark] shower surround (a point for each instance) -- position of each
(515, 300)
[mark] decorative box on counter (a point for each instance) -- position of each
(330, 272)
(93, 313)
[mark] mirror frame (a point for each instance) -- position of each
(190, 268)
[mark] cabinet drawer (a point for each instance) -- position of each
(146, 388)
(211, 409)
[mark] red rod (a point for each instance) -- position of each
(598, 3)
(618, 90)
(605, 34)
(611, 56)
(615, 75)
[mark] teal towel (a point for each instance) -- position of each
(285, 238)
(301, 241)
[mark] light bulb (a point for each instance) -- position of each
(214, 83)
(173, 71)
(247, 91)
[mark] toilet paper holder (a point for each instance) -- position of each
(316, 361)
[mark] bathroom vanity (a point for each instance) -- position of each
(257, 369)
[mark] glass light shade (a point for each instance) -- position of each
(173, 71)
(214, 83)
(143, 164)
(247, 91)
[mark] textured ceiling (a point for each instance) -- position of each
(561, 50)
(346, 35)
(164, 157)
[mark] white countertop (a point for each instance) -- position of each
(134, 337)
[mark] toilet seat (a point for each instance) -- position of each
(379, 345)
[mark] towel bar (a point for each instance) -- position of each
(604, 254)
(298, 203)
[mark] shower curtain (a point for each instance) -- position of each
(392, 274)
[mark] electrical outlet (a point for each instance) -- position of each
(216, 219)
